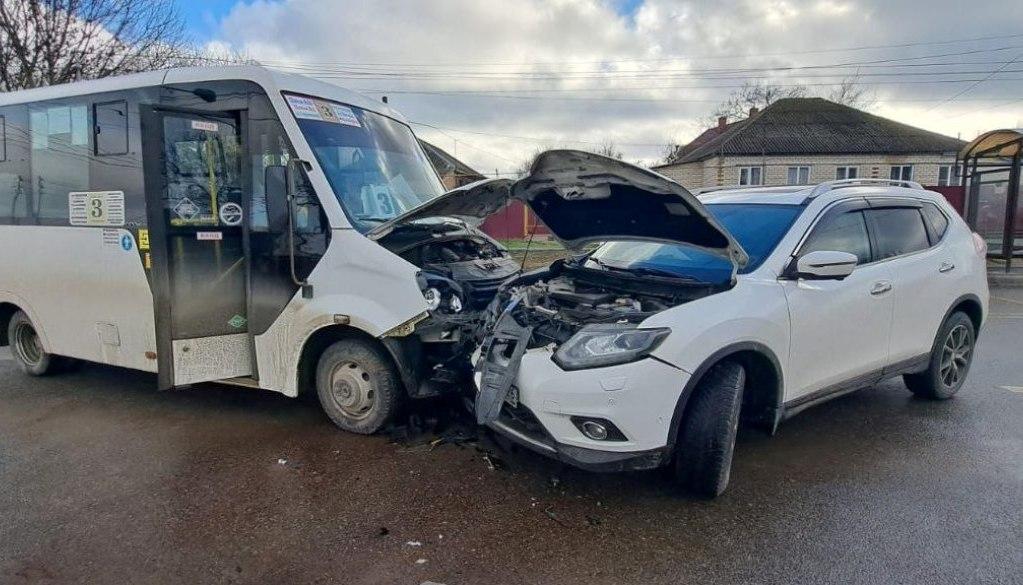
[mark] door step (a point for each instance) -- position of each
(244, 382)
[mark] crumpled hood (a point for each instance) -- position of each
(583, 197)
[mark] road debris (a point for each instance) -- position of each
(420, 561)
(414, 543)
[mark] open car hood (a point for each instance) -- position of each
(583, 197)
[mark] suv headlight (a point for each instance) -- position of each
(597, 346)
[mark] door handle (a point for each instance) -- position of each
(881, 287)
(946, 266)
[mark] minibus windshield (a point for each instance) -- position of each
(373, 163)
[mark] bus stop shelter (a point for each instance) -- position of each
(990, 174)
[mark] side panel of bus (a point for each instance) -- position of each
(80, 278)
(134, 230)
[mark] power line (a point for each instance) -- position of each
(967, 89)
(369, 73)
(531, 138)
(686, 57)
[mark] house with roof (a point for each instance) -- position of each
(453, 172)
(799, 141)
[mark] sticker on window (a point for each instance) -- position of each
(324, 111)
(231, 214)
(303, 108)
(205, 126)
(346, 116)
(96, 208)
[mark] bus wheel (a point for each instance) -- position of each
(26, 346)
(358, 386)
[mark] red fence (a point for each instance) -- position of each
(954, 194)
(516, 221)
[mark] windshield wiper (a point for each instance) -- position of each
(641, 270)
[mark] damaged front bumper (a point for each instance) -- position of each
(526, 397)
(512, 428)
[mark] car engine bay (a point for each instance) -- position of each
(559, 301)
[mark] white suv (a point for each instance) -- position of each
(745, 304)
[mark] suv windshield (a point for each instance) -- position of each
(757, 227)
(373, 163)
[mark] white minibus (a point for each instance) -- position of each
(236, 224)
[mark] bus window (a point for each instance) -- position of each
(203, 168)
(60, 156)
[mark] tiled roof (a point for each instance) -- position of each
(447, 164)
(817, 126)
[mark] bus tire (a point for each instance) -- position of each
(358, 386)
(27, 348)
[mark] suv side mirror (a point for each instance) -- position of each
(825, 265)
(275, 184)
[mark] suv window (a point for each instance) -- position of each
(937, 223)
(845, 232)
(898, 231)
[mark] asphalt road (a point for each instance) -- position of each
(104, 480)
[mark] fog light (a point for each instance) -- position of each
(594, 430)
(597, 429)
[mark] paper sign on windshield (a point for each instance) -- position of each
(311, 109)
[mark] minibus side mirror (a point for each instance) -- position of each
(275, 181)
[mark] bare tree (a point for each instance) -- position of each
(609, 149)
(753, 95)
(44, 42)
(527, 163)
(850, 93)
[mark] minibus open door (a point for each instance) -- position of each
(195, 175)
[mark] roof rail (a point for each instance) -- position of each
(831, 185)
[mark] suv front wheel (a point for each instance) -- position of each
(951, 357)
(703, 460)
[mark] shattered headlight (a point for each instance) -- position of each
(441, 294)
(433, 298)
(597, 346)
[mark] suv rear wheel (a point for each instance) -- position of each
(951, 356)
(703, 460)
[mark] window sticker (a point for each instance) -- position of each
(231, 214)
(96, 208)
(143, 239)
(205, 126)
(303, 108)
(321, 110)
(186, 209)
(127, 243)
(346, 116)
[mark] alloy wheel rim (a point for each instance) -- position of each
(955, 356)
(351, 390)
(27, 344)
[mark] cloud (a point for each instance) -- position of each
(638, 73)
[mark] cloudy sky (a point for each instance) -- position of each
(492, 80)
